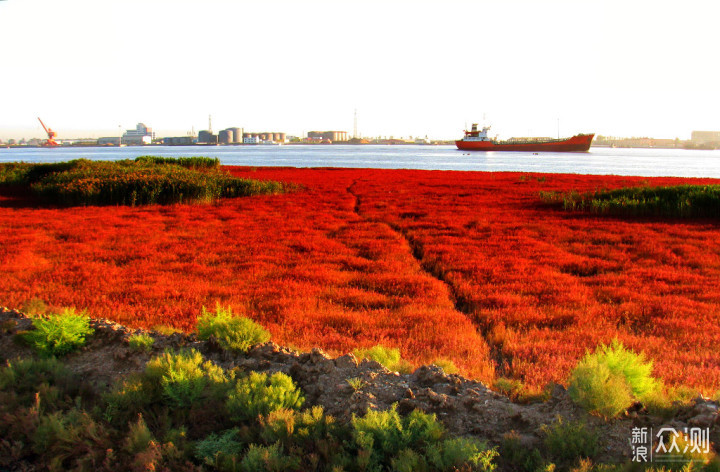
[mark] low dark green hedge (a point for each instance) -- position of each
(679, 201)
(145, 180)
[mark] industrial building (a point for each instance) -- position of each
(226, 136)
(265, 136)
(705, 137)
(179, 141)
(332, 136)
(140, 135)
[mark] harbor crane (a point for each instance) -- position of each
(51, 135)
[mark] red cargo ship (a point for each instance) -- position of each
(478, 140)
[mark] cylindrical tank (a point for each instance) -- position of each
(225, 136)
(237, 135)
(204, 136)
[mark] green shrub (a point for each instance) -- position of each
(183, 378)
(356, 383)
(53, 383)
(267, 459)
(233, 333)
(607, 381)
(570, 441)
(221, 451)
(58, 334)
(141, 342)
(171, 384)
(72, 440)
(666, 402)
(294, 427)
(519, 456)
(452, 454)
(139, 437)
(414, 442)
(388, 357)
(259, 394)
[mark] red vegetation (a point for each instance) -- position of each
(504, 285)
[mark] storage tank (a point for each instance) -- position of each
(237, 135)
(204, 136)
(225, 136)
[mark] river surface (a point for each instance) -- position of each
(603, 161)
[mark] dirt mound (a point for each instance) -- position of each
(466, 407)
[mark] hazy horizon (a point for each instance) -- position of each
(90, 68)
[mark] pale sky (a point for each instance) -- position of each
(615, 67)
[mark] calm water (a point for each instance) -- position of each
(644, 162)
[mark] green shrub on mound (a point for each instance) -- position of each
(231, 332)
(58, 334)
(145, 180)
(260, 394)
(607, 381)
(388, 441)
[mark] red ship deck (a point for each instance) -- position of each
(578, 143)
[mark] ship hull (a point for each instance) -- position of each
(578, 143)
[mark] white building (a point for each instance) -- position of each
(140, 135)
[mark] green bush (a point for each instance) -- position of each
(221, 451)
(259, 394)
(267, 459)
(72, 440)
(570, 441)
(414, 442)
(48, 381)
(58, 334)
(607, 381)
(183, 378)
(232, 333)
(172, 385)
(518, 456)
(454, 453)
(388, 357)
(141, 342)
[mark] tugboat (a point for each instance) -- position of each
(478, 140)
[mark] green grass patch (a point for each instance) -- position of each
(58, 334)
(234, 333)
(143, 181)
(678, 201)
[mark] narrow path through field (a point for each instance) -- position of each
(502, 363)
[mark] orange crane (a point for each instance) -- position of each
(51, 135)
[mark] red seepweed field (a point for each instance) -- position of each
(466, 266)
